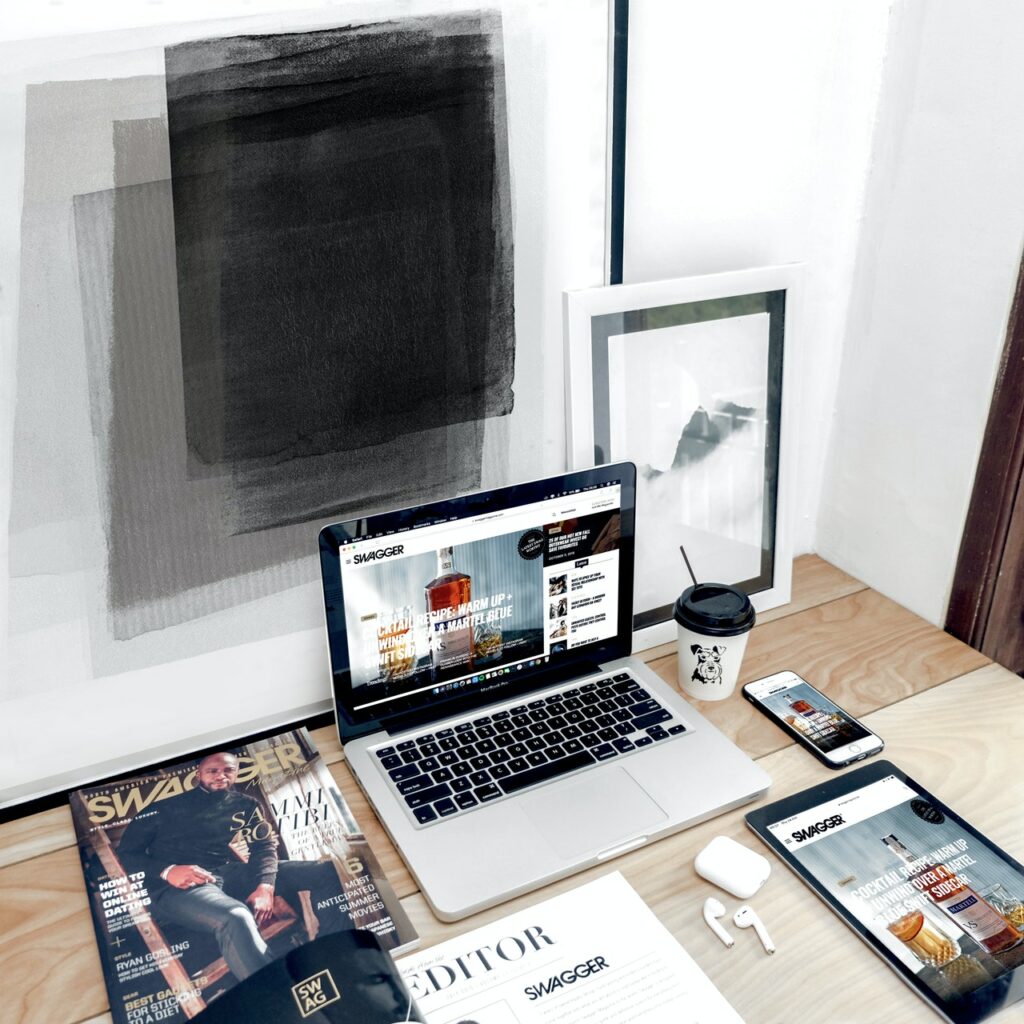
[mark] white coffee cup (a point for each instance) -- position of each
(713, 623)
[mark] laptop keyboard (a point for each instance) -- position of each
(451, 771)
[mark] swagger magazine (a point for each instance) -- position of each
(594, 955)
(201, 873)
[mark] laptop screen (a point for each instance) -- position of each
(459, 599)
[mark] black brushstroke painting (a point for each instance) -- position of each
(172, 537)
(342, 219)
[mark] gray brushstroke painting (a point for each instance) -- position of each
(113, 512)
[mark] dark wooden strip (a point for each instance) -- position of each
(985, 556)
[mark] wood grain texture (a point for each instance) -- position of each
(49, 965)
(819, 962)
(863, 651)
(1004, 631)
(850, 984)
(857, 646)
(327, 742)
(46, 936)
(815, 582)
(35, 835)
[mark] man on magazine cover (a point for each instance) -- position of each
(195, 879)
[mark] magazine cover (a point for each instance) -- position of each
(202, 873)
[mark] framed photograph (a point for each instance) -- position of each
(687, 378)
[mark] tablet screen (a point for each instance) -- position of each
(935, 895)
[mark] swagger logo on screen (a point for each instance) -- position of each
(372, 556)
(818, 827)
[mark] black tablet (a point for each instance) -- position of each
(942, 904)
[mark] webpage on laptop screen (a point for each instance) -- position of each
(471, 601)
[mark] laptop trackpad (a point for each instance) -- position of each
(592, 812)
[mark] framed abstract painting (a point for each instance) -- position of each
(688, 379)
(265, 272)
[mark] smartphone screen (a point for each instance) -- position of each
(801, 709)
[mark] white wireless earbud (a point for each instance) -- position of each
(746, 918)
(713, 910)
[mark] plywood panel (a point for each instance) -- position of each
(814, 947)
(864, 651)
(46, 941)
(49, 965)
(819, 962)
(327, 742)
(35, 835)
(860, 648)
(815, 582)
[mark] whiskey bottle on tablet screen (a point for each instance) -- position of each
(970, 911)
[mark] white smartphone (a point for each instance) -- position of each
(825, 729)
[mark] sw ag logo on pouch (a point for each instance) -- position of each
(315, 993)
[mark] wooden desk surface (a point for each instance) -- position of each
(949, 717)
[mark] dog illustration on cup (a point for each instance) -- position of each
(709, 664)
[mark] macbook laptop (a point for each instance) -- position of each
(486, 697)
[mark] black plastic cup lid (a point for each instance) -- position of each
(715, 609)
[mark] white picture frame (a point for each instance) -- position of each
(704, 364)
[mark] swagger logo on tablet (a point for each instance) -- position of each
(818, 827)
(921, 885)
(815, 824)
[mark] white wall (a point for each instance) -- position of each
(880, 143)
(749, 136)
(936, 268)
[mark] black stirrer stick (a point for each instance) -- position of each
(689, 567)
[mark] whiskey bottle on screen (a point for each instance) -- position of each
(819, 725)
(971, 912)
(799, 722)
(800, 706)
(449, 620)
